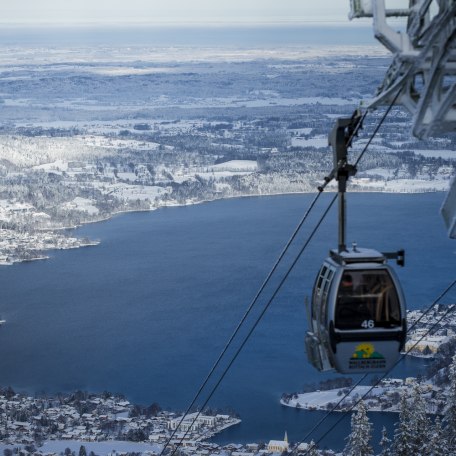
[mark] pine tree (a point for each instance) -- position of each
(359, 441)
(413, 433)
(450, 413)
(419, 422)
(437, 443)
(385, 444)
(312, 450)
(403, 438)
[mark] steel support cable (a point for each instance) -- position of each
(385, 115)
(321, 189)
(402, 357)
(257, 321)
(450, 310)
(352, 388)
(249, 309)
(243, 319)
(372, 136)
(255, 299)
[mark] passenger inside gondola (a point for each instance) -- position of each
(366, 300)
(346, 305)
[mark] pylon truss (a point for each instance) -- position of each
(424, 64)
(423, 69)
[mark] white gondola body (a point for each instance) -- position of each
(357, 318)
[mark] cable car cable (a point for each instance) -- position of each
(385, 114)
(318, 424)
(253, 302)
(397, 362)
(450, 310)
(257, 296)
(260, 291)
(247, 337)
(333, 409)
(250, 307)
(243, 319)
(351, 389)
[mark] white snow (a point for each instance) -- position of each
(383, 172)
(321, 399)
(82, 204)
(99, 448)
(221, 170)
(235, 166)
(127, 176)
(448, 154)
(58, 165)
(416, 185)
(110, 143)
(316, 141)
(36, 151)
(302, 131)
(127, 71)
(130, 192)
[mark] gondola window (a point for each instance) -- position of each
(367, 299)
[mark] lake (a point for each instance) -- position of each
(147, 312)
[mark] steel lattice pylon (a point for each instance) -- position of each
(423, 68)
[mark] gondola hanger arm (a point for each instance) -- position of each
(340, 139)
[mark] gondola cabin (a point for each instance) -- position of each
(357, 317)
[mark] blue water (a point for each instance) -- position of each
(188, 35)
(147, 311)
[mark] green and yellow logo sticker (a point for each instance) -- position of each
(366, 350)
(365, 357)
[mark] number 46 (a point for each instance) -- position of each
(368, 324)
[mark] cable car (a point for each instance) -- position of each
(357, 318)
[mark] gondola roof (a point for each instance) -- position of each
(357, 255)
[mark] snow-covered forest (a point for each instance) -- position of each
(91, 133)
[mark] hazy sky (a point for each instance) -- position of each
(207, 11)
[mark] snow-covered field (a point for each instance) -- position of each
(235, 166)
(316, 141)
(130, 192)
(451, 154)
(402, 185)
(82, 204)
(416, 186)
(319, 400)
(28, 152)
(382, 398)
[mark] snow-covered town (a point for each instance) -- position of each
(429, 331)
(95, 418)
(82, 423)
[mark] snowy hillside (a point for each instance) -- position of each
(93, 132)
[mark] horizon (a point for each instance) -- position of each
(215, 22)
(244, 35)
